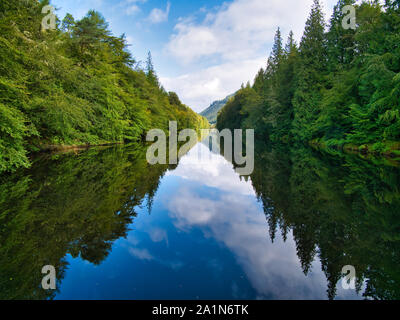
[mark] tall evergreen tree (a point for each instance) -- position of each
(291, 46)
(150, 72)
(276, 55)
(280, 94)
(309, 75)
(340, 41)
(259, 81)
(68, 23)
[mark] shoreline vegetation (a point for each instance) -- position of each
(388, 158)
(60, 148)
(388, 149)
(75, 86)
(338, 90)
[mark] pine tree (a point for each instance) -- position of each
(291, 46)
(280, 93)
(150, 72)
(89, 35)
(276, 55)
(286, 88)
(341, 46)
(309, 75)
(68, 23)
(259, 81)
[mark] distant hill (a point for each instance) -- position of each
(211, 112)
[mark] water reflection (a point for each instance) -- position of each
(341, 210)
(68, 204)
(229, 213)
(118, 228)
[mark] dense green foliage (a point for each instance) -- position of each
(339, 208)
(69, 204)
(77, 84)
(338, 87)
(211, 112)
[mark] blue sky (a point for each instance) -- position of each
(202, 49)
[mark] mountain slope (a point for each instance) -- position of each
(211, 112)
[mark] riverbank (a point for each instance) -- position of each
(62, 148)
(386, 149)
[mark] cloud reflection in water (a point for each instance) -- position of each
(236, 219)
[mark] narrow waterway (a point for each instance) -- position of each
(117, 228)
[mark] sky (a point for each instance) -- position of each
(202, 49)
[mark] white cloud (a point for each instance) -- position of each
(158, 15)
(199, 89)
(240, 34)
(145, 255)
(142, 254)
(202, 166)
(131, 7)
(132, 10)
(158, 235)
(238, 30)
(238, 223)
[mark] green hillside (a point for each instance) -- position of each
(211, 112)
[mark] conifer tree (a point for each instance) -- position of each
(276, 55)
(309, 75)
(280, 93)
(259, 81)
(291, 46)
(340, 42)
(68, 23)
(150, 72)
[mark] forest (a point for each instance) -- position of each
(75, 85)
(338, 89)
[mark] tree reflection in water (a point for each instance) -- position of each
(69, 204)
(341, 208)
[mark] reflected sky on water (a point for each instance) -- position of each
(205, 237)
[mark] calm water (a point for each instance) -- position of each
(118, 228)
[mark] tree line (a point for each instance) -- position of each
(77, 84)
(339, 88)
